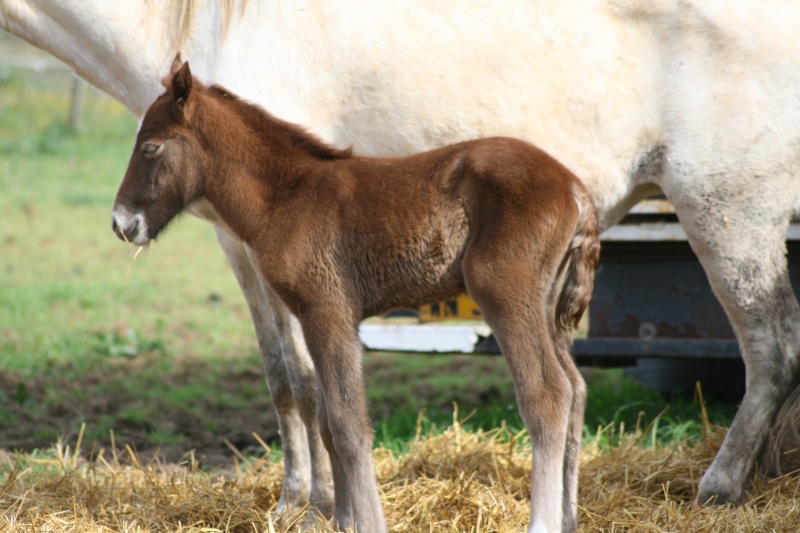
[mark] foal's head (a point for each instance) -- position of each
(167, 167)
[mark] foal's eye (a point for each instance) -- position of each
(150, 148)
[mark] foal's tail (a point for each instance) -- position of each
(578, 265)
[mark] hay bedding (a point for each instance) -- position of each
(451, 482)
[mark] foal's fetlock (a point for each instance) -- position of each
(318, 519)
(285, 514)
(322, 501)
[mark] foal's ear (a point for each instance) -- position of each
(182, 85)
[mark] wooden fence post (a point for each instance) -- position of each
(76, 107)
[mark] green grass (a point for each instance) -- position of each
(67, 282)
(148, 348)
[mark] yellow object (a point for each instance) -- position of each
(453, 308)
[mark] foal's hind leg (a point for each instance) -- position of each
(742, 248)
(574, 432)
(516, 309)
(544, 399)
(290, 376)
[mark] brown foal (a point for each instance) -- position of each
(340, 237)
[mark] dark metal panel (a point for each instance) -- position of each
(652, 290)
(656, 348)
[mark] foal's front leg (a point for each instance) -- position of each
(336, 350)
(290, 376)
(302, 378)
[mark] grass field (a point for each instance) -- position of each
(161, 350)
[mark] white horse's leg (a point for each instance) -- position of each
(741, 245)
(290, 377)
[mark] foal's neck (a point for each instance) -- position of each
(257, 157)
(281, 137)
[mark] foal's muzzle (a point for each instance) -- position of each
(129, 227)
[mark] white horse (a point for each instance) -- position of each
(700, 99)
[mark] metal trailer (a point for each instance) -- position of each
(654, 312)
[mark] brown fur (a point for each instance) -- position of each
(340, 238)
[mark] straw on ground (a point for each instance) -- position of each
(455, 480)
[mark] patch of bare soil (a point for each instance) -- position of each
(35, 413)
(207, 426)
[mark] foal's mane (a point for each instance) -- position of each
(262, 121)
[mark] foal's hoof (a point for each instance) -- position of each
(316, 519)
(286, 513)
(322, 508)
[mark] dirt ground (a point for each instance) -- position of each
(33, 428)
(211, 427)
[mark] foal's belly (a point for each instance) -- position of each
(411, 273)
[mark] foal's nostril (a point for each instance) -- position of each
(126, 228)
